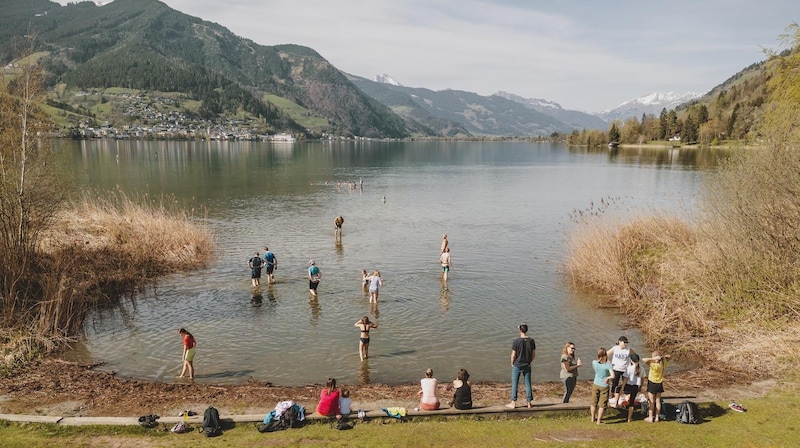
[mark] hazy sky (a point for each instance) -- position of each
(586, 55)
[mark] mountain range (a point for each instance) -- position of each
(146, 45)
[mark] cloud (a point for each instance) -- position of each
(584, 55)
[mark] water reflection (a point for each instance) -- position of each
(363, 372)
(506, 204)
(258, 298)
(316, 310)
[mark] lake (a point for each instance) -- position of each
(506, 208)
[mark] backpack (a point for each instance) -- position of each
(149, 421)
(687, 413)
(341, 424)
(211, 424)
(288, 419)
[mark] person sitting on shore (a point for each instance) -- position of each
(462, 398)
(329, 400)
(344, 402)
(428, 400)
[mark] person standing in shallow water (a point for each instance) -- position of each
(314, 276)
(337, 226)
(446, 262)
(445, 244)
(523, 352)
(375, 281)
(272, 263)
(364, 324)
(255, 269)
(189, 345)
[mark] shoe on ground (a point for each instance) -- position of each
(737, 407)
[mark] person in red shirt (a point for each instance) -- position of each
(188, 352)
(329, 400)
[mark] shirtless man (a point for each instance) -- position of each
(444, 244)
(337, 226)
(446, 263)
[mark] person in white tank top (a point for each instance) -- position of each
(619, 355)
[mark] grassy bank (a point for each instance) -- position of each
(98, 249)
(766, 423)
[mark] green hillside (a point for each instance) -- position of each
(145, 45)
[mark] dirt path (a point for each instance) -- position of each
(59, 388)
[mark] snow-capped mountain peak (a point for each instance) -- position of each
(650, 104)
(534, 103)
(386, 79)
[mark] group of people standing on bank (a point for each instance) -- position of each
(618, 371)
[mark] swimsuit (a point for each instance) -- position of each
(366, 339)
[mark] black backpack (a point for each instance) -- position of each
(211, 424)
(288, 419)
(687, 413)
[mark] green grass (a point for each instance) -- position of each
(772, 421)
(299, 114)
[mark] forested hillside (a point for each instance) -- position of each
(727, 113)
(143, 44)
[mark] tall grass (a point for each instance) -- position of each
(97, 251)
(727, 285)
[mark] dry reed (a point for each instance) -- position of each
(99, 250)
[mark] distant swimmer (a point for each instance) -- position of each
(337, 226)
(445, 244)
(384, 199)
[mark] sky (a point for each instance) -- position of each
(585, 55)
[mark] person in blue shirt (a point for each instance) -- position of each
(272, 263)
(602, 375)
(314, 277)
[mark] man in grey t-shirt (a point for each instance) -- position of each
(523, 352)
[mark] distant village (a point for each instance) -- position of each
(147, 120)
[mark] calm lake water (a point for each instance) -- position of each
(505, 207)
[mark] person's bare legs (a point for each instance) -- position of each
(657, 406)
(313, 292)
(592, 410)
(650, 409)
(600, 416)
(361, 350)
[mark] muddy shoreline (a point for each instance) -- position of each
(61, 388)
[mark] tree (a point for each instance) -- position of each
(30, 189)
(613, 133)
(663, 125)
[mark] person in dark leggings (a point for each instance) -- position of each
(569, 370)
